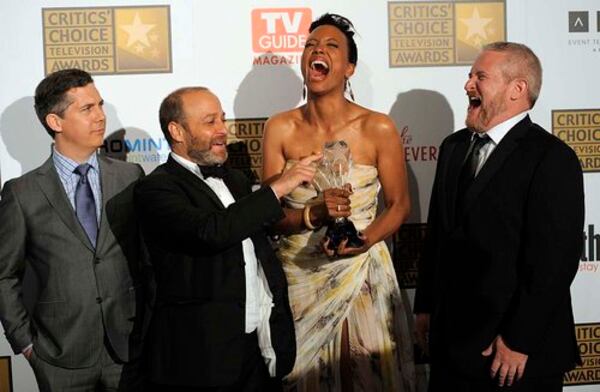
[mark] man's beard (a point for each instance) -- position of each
(206, 157)
(485, 114)
(203, 155)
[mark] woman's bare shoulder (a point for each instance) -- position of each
(281, 127)
(378, 124)
(287, 119)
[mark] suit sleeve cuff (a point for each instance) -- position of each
(20, 341)
(29, 347)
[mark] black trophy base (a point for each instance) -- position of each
(340, 230)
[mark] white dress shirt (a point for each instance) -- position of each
(496, 134)
(250, 262)
(259, 299)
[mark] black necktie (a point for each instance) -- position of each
(469, 168)
(85, 206)
(217, 171)
(472, 159)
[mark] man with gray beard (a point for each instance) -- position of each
(222, 321)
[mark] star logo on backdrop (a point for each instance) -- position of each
(135, 39)
(476, 26)
(138, 32)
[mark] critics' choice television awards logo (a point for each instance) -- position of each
(580, 129)
(279, 34)
(442, 33)
(244, 144)
(588, 340)
(584, 29)
(108, 40)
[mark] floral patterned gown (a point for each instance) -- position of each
(361, 289)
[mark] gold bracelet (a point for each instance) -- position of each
(306, 216)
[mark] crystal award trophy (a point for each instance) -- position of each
(333, 172)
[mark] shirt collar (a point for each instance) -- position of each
(499, 131)
(69, 164)
(186, 163)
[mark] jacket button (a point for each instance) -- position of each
(96, 260)
(98, 300)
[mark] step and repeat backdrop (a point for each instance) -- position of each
(414, 57)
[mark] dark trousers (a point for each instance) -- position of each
(254, 376)
(444, 378)
(106, 375)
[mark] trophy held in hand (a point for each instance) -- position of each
(333, 172)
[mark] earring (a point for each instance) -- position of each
(303, 91)
(349, 89)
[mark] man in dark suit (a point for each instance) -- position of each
(70, 224)
(222, 321)
(505, 238)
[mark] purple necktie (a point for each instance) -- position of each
(85, 207)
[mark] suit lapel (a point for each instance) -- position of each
(108, 188)
(235, 187)
(456, 156)
(55, 194)
(190, 178)
(496, 160)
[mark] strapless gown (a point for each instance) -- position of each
(361, 289)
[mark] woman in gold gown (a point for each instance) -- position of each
(351, 322)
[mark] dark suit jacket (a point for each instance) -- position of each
(504, 266)
(196, 334)
(72, 294)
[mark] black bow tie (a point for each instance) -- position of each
(213, 171)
